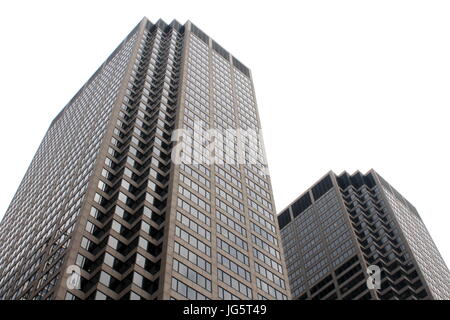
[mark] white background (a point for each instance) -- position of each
(341, 85)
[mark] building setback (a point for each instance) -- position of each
(343, 225)
(104, 212)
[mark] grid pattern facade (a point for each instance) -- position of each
(421, 244)
(103, 194)
(232, 200)
(35, 231)
(344, 224)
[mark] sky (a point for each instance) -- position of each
(340, 85)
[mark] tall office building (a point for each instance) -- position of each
(348, 231)
(112, 208)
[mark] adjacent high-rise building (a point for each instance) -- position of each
(150, 184)
(356, 237)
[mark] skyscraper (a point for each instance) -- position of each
(356, 237)
(150, 184)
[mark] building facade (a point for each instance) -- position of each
(128, 197)
(347, 230)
